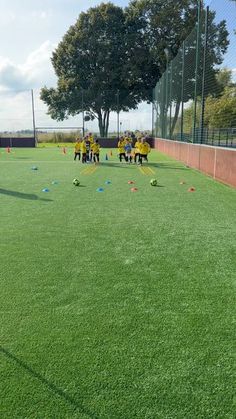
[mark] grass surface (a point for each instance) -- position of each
(115, 304)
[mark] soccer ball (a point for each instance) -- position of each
(76, 182)
(153, 182)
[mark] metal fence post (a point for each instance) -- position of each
(82, 94)
(118, 114)
(33, 116)
(171, 75)
(153, 113)
(196, 69)
(166, 101)
(204, 74)
(163, 106)
(182, 93)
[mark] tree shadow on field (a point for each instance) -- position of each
(51, 386)
(23, 195)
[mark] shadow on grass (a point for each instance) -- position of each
(149, 164)
(163, 165)
(23, 195)
(51, 386)
(115, 164)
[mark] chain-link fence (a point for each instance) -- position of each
(195, 99)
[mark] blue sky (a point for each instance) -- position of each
(30, 31)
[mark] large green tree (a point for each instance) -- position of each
(91, 65)
(162, 24)
(111, 59)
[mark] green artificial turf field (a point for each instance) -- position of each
(115, 304)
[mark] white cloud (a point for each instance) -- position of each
(7, 18)
(35, 72)
(38, 67)
(16, 80)
(41, 14)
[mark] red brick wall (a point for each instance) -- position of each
(218, 162)
(225, 166)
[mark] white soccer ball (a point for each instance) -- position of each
(153, 182)
(76, 182)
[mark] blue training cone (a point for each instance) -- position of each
(106, 157)
(100, 190)
(108, 182)
(45, 190)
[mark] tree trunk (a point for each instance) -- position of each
(100, 124)
(103, 123)
(107, 123)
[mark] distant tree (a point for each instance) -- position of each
(220, 110)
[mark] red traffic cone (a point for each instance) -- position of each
(192, 189)
(8, 150)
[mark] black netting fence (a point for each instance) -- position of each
(195, 99)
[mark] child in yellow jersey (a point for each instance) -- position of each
(137, 146)
(91, 140)
(144, 150)
(83, 149)
(128, 151)
(121, 148)
(95, 147)
(77, 149)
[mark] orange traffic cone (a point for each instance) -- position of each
(8, 150)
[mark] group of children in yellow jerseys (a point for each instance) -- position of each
(88, 149)
(138, 154)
